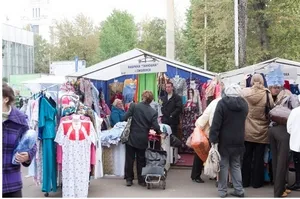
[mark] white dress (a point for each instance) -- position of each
(76, 143)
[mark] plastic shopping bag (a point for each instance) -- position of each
(212, 164)
(200, 144)
(27, 142)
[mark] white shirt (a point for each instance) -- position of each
(293, 128)
(169, 96)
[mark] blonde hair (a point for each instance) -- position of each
(116, 102)
(147, 96)
(257, 79)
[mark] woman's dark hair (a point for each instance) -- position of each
(191, 90)
(7, 91)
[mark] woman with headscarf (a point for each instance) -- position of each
(279, 142)
(117, 112)
(228, 131)
(259, 101)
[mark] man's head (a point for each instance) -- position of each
(169, 87)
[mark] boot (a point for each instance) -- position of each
(296, 185)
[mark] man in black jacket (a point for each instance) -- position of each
(228, 131)
(171, 108)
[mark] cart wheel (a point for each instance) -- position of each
(164, 185)
(46, 194)
(148, 186)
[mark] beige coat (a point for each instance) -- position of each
(256, 123)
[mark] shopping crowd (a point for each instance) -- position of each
(238, 120)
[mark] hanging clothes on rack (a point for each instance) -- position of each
(47, 124)
(180, 86)
(115, 91)
(76, 137)
(147, 82)
(86, 88)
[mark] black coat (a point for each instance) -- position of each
(144, 117)
(171, 109)
(228, 126)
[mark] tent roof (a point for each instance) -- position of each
(110, 68)
(260, 66)
(47, 80)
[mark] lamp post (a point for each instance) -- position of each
(236, 33)
(170, 30)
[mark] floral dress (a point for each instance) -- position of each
(190, 115)
(76, 143)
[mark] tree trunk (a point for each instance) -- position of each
(242, 16)
(263, 25)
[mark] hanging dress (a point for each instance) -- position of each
(47, 124)
(76, 143)
(190, 115)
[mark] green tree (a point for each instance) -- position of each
(118, 34)
(219, 35)
(41, 55)
(153, 36)
(75, 38)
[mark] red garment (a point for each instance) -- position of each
(116, 96)
(287, 85)
(136, 90)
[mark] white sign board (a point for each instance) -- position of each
(63, 68)
(142, 68)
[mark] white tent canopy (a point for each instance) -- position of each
(110, 69)
(236, 76)
(44, 82)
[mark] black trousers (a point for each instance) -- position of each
(131, 154)
(17, 194)
(296, 158)
(174, 129)
(279, 141)
(197, 167)
(254, 155)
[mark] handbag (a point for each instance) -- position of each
(280, 113)
(125, 134)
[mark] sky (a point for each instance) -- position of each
(98, 10)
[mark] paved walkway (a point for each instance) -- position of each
(178, 185)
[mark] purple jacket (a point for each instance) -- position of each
(13, 130)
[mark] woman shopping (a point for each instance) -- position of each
(144, 117)
(279, 142)
(14, 124)
(259, 99)
(117, 112)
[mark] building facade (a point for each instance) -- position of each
(17, 51)
(37, 14)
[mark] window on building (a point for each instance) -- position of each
(39, 12)
(36, 12)
(33, 12)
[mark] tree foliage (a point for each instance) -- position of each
(271, 31)
(153, 36)
(79, 37)
(118, 34)
(41, 55)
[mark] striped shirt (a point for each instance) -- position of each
(13, 130)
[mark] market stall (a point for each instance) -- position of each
(127, 75)
(290, 69)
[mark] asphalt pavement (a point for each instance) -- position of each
(178, 181)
